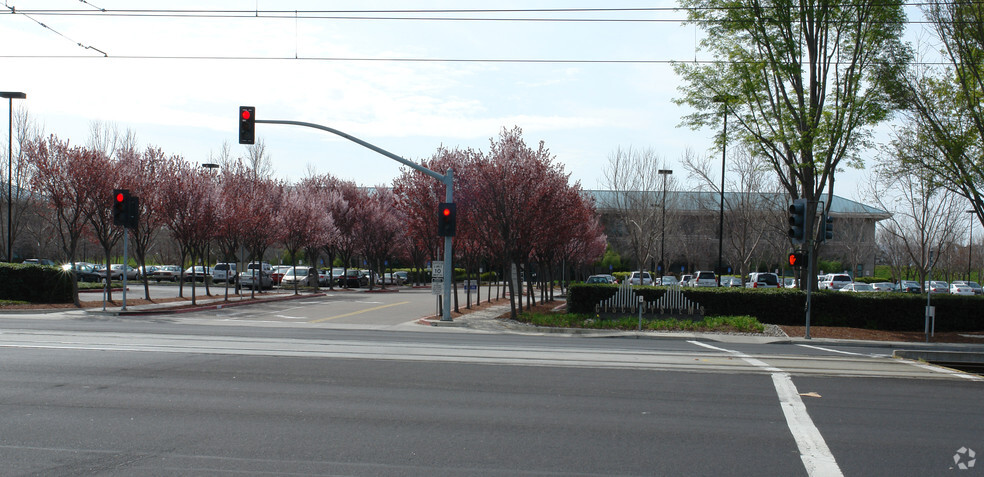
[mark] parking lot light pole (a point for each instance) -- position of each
(723, 99)
(970, 246)
(10, 95)
(662, 245)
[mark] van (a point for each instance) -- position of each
(223, 271)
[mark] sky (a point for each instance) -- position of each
(177, 81)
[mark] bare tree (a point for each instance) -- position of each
(749, 204)
(632, 176)
(258, 159)
(23, 209)
(926, 218)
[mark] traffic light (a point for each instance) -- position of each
(828, 228)
(797, 221)
(120, 199)
(797, 259)
(445, 219)
(247, 125)
(132, 212)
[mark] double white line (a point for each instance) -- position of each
(816, 456)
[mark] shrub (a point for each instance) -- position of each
(35, 283)
(883, 311)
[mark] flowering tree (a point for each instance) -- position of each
(302, 222)
(377, 226)
(63, 175)
(189, 208)
(138, 173)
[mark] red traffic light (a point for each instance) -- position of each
(120, 198)
(446, 212)
(246, 114)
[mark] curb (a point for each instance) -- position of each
(165, 310)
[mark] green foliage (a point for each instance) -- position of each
(883, 311)
(611, 260)
(35, 283)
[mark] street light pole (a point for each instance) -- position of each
(970, 246)
(662, 245)
(10, 95)
(723, 99)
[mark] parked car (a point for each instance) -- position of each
(147, 270)
(166, 272)
(197, 273)
(114, 275)
(40, 261)
(256, 279)
(909, 286)
(974, 285)
(883, 286)
(704, 279)
(789, 283)
(685, 280)
(834, 281)
(224, 271)
(762, 280)
(605, 279)
(937, 286)
(961, 288)
(669, 281)
(857, 287)
(389, 279)
(277, 273)
(350, 279)
(302, 276)
(647, 279)
(85, 272)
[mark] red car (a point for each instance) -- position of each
(278, 274)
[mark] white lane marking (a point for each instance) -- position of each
(951, 372)
(831, 350)
(816, 456)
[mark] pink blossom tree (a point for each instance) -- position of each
(303, 222)
(63, 175)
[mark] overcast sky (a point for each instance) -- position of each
(177, 80)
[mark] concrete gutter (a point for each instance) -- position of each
(943, 357)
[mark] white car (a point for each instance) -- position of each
(857, 287)
(762, 280)
(961, 288)
(669, 281)
(704, 279)
(255, 279)
(302, 276)
(834, 281)
(647, 279)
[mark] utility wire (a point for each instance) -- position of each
(87, 47)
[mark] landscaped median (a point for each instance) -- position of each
(880, 311)
(718, 324)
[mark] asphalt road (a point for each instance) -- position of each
(279, 395)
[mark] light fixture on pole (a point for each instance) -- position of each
(11, 96)
(662, 245)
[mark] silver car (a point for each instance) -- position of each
(255, 279)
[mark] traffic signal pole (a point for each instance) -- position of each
(447, 179)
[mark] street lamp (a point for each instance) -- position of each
(970, 246)
(723, 99)
(662, 245)
(10, 95)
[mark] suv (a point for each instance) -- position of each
(223, 271)
(704, 279)
(685, 280)
(762, 280)
(834, 281)
(647, 279)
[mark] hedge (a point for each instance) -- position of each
(35, 283)
(882, 311)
